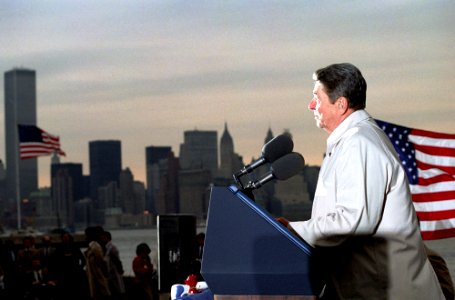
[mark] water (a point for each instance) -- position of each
(127, 240)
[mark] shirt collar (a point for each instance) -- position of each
(352, 120)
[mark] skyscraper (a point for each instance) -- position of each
(63, 190)
(105, 164)
(20, 108)
(126, 188)
(167, 196)
(153, 155)
(74, 172)
(199, 166)
(200, 151)
(132, 197)
(226, 153)
(230, 162)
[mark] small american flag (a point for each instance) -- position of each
(429, 160)
(34, 142)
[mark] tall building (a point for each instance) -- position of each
(62, 195)
(226, 153)
(108, 198)
(132, 193)
(268, 136)
(194, 192)
(294, 198)
(128, 201)
(230, 162)
(139, 196)
(199, 167)
(37, 212)
(74, 172)
(167, 195)
(153, 155)
(105, 165)
(199, 151)
(20, 108)
(311, 174)
(3, 203)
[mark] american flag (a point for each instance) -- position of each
(429, 160)
(34, 142)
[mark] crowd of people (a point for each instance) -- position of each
(43, 269)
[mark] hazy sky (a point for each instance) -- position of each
(144, 71)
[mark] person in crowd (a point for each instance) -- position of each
(25, 257)
(40, 283)
(200, 239)
(8, 262)
(195, 267)
(46, 251)
(363, 222)
(96, 266)
(143, 272)
(114, 266)
(70, 263)
(2, 281)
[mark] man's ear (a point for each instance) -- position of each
(342, 105)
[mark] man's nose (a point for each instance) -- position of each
(312, 104)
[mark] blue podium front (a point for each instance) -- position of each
(247, 252)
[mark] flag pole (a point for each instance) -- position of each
(18, 190)
(18, 197)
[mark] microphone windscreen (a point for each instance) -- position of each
(287, 166)
(277, 147)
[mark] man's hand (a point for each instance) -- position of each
(283, 221)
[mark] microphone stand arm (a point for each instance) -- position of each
(248, 190)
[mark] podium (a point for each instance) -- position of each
(249, 255)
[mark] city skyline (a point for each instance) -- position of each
(144, 72)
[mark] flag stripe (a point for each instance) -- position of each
(438, 234)
(31, 146)
(433, 150)
(444, 205)
(435, 179)
(429, 175)
(435, 160)
(429, 135)
(430, 197)
(435, 215)
(444, 169)
(437, 225)
(434, 188)
(426, 171)
(432, 230)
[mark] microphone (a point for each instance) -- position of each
(271, 151)
(283, 168)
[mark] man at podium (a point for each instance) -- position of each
(363, 221)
